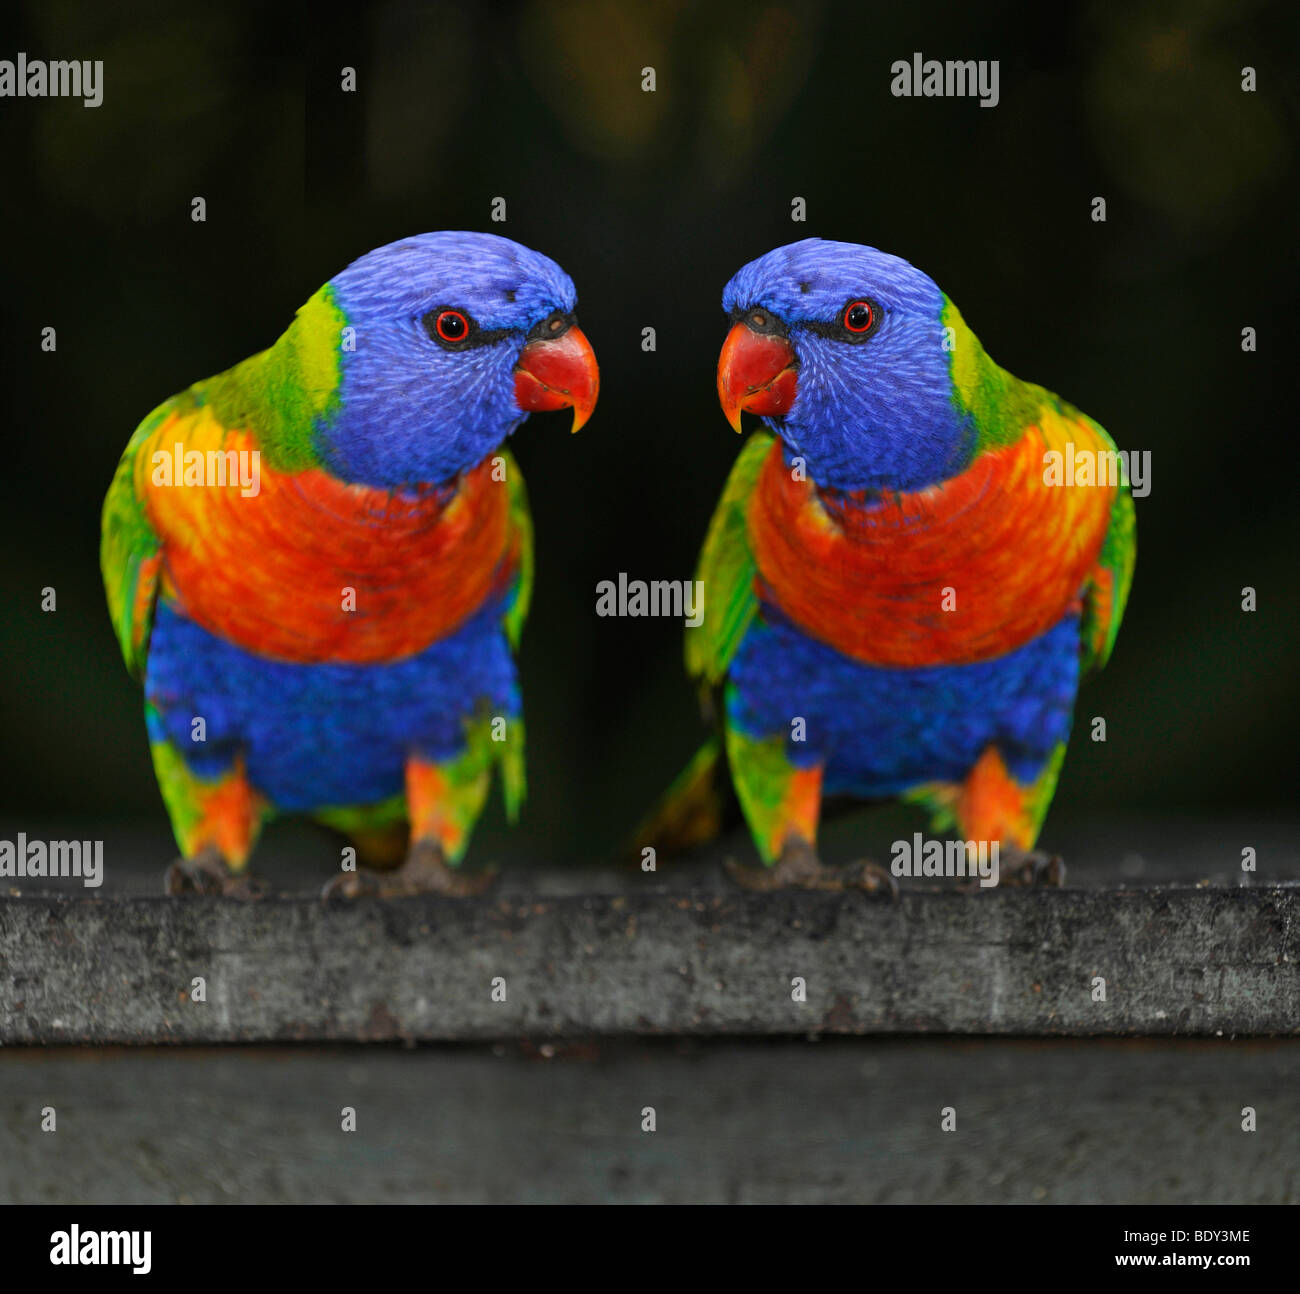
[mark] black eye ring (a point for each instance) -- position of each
(858, 319)
(455, 329)
(451, 328)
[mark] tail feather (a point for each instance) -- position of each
(697, 808)
(379, 833)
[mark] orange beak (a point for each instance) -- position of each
(757, 372)
(558, 373)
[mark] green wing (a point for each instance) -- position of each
(727, 571)
(693, 809)
(130, 551)
(510, 753)
(521, 521)
(1107, 592)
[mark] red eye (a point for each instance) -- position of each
(859, 316)
(452, 325)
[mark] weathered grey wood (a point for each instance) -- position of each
(780, 1121)
(652, 960)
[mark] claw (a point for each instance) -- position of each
(1032, 867)
(873, 878)
(799, 868)
(207, 873)
(424, 871)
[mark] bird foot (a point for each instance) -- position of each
(1030, 867)
(207, 873)
(876, 879)
(800, 868)
(424, 871)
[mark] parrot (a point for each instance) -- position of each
(900, 598)
(319, 563)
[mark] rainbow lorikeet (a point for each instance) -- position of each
(320, 561)
(899, 599)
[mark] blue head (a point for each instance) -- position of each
(458, 336)
(841, 348)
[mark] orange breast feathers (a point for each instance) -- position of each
(309, 569)
(960, 572)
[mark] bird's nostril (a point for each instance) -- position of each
(554, 326)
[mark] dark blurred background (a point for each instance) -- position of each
(652, 201)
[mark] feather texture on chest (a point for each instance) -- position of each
(951, 574)
(271, 572)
